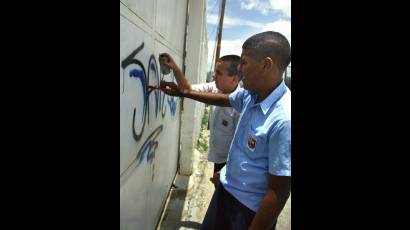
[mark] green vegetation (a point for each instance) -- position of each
(202, 144)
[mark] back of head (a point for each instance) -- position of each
(269, 44)
(232, 62)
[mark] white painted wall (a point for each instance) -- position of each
(197, 51)
(150, 122)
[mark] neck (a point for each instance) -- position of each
(229, 91)
(262, 94)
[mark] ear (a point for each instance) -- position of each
(268, 63)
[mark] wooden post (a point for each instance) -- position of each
(221, 20)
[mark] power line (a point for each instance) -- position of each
(212, 12)
(216, 38)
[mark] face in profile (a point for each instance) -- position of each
(251, 72)
(223, 81)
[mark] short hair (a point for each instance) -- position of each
(233, 63)
(269, 44)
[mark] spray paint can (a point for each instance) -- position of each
(162, 60)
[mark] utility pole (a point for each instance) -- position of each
(221, 21)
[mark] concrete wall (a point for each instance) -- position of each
(197, 52)
(150, 121)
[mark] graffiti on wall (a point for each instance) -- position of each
(172, 105)
(150, 106)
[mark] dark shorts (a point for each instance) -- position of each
(225, 212)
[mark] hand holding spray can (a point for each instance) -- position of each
(162, 60)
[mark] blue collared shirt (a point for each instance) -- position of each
(261, 145)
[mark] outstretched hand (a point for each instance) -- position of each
(170, 88)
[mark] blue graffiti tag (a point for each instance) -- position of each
(154, 68)
(139, 74)
(148, 148)
(172, 105)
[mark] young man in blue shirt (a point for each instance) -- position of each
(255, 183)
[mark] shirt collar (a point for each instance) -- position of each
(272, 98)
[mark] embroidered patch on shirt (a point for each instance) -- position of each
(251, 143)
(224, 123)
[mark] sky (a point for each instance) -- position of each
(244, 18)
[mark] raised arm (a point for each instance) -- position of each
(183, 83)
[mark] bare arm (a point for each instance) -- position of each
(218, 99)
(273, 203)
(179, 76)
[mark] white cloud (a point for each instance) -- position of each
(235, 46)
(212, 19)
(247, 6)
(231, 47)
(281, 26)
(264, 6)
(229, 21)
(227, 47)
(283, 5)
